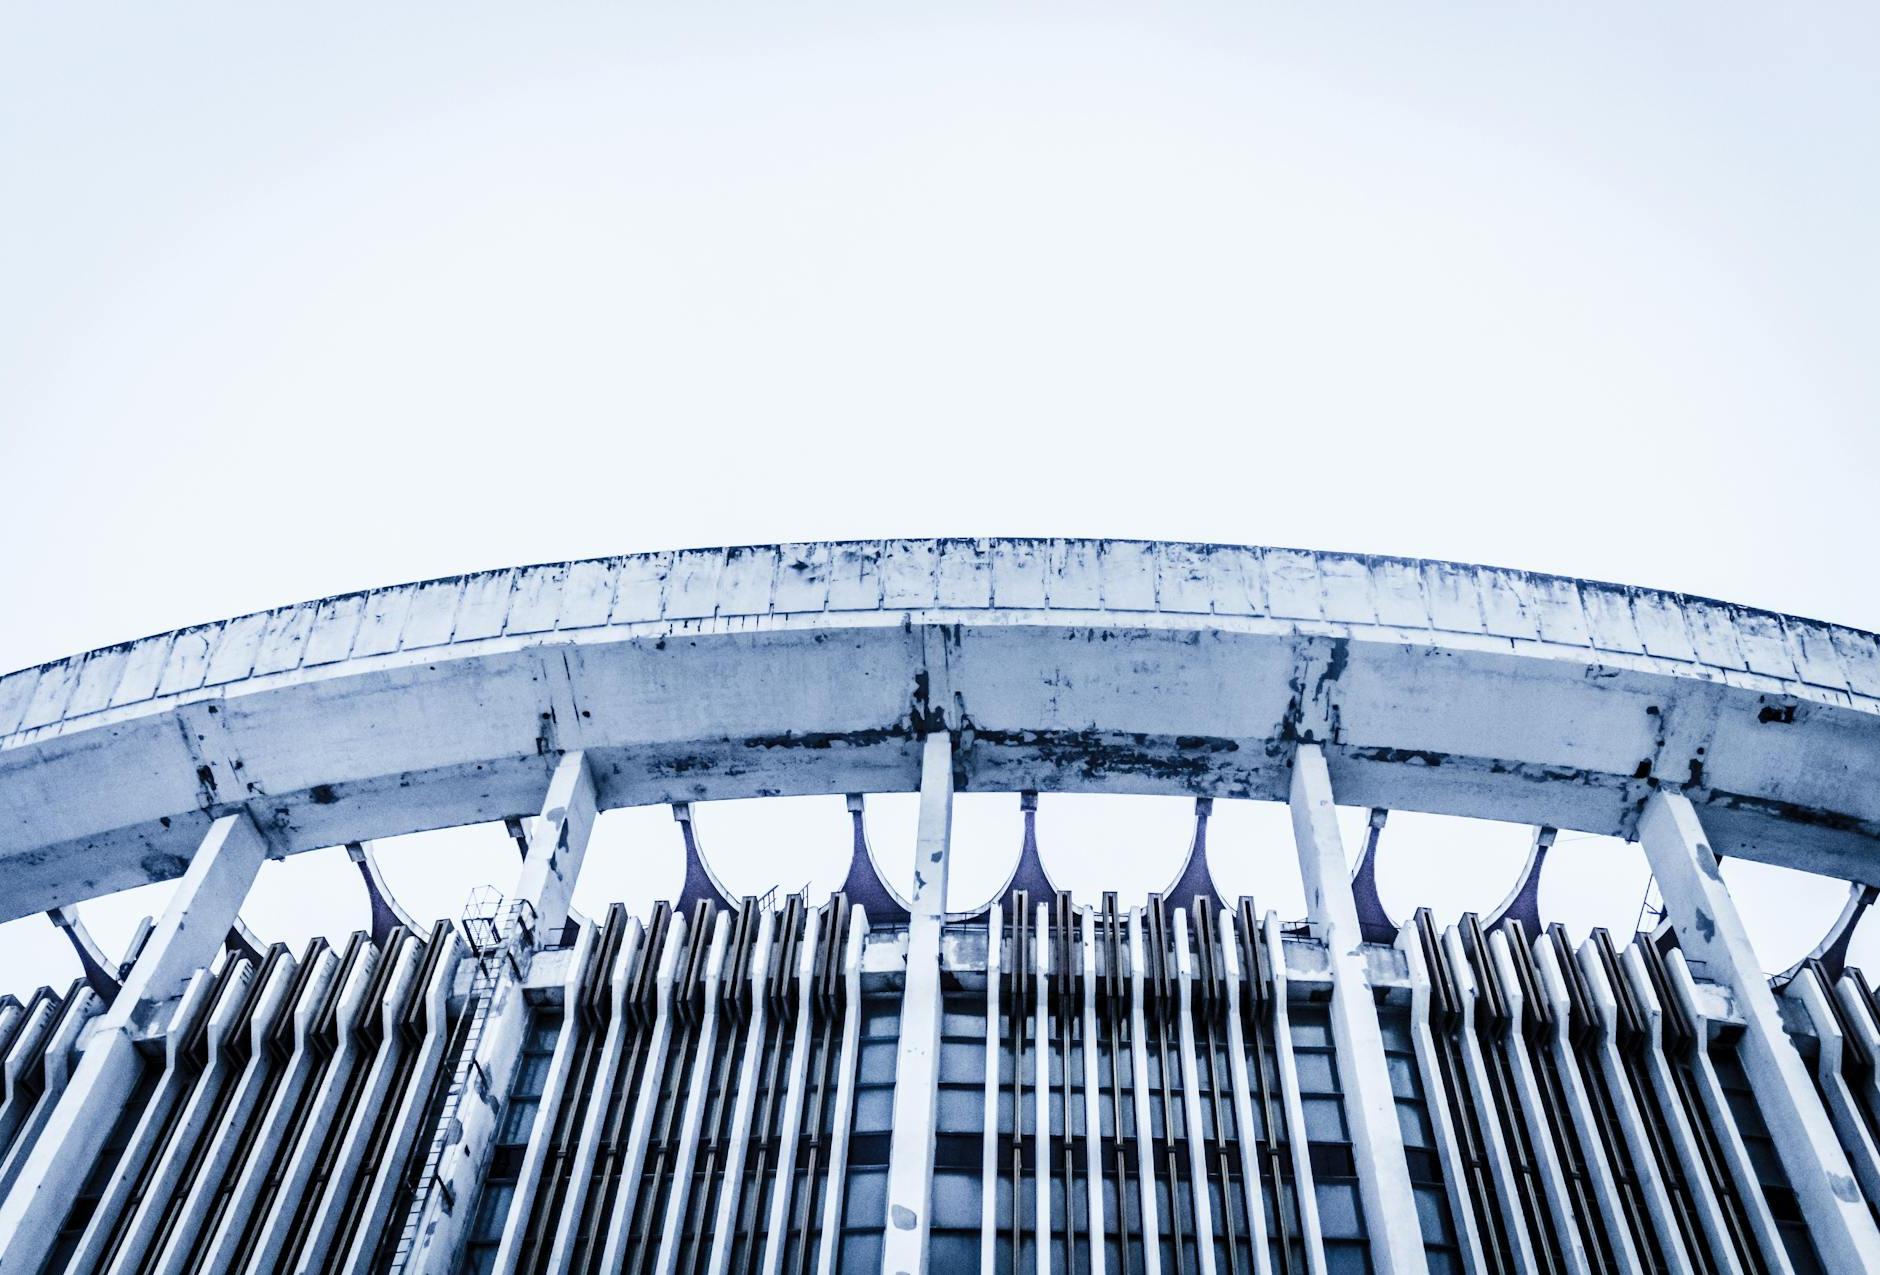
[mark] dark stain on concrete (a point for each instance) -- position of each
(1813, 816)
(1335, 665)
(920, 713)
(161, 866)
(824, 740)
(1427, 757)
(1095, 754)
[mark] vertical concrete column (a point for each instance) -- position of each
(1709, 930)
(916, 1076)
(989, 1152)
(188, 936)
(1390, 1208)
(557, 845)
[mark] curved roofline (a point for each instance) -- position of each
(1401, 559)
(1062, 664)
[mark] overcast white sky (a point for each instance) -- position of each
(296, 302)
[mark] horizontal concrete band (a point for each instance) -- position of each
(1067, 665)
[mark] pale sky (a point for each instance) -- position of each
(301, 301)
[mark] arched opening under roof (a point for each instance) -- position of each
(1252, 853)
(1449, 864)
(988, 832)
(635, 857)
(317, 893)
(33, 954)
(1593, 881)
(1785, 911)
(1864, 951)
(431, 874)
(114, 919)
(757, 845)
(1095, 842)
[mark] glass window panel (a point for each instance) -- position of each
(1310, 1027)
(1433, 1214)
(1762, 1155)
(867, 1201)
(518, 1118)
(1325, 1119)
(493, 1210)
(877, 1062)
(947, 1252)
(1396, 1032)
(532, 1075)
(861, 1252)
(963, 1061)
(1315, 1072)
(956, 1200)
(1338, 1210)
(1415, 1123)
(960, 1110)
(960, 1022)
(874, 1110)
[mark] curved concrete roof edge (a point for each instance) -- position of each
(984, 541)
(1107, 575)
(1072, 664)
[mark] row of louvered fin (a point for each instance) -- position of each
(694, 1112)
(1142, 1101)
(1593, 1118)
(271, 1129)
(1566, 1108)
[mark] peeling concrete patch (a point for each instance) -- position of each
(162, 867)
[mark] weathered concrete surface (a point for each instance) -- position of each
(1710, 930)
(1073, 665)
(186, 938)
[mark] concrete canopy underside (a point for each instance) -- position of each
(1065, 665)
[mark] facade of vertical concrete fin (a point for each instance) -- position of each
(843, 1083)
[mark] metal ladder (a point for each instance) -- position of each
(488, 945)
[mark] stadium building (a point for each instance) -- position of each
(865, 1082)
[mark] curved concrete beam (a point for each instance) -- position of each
(101, 975)
(1374, 921)
(1831, 952)
(1063, 665)
(242, 941)
(1195, 881)
(1523, 903)
(865, 885)
(700, 883)
(387, 913)
(1028, 872)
